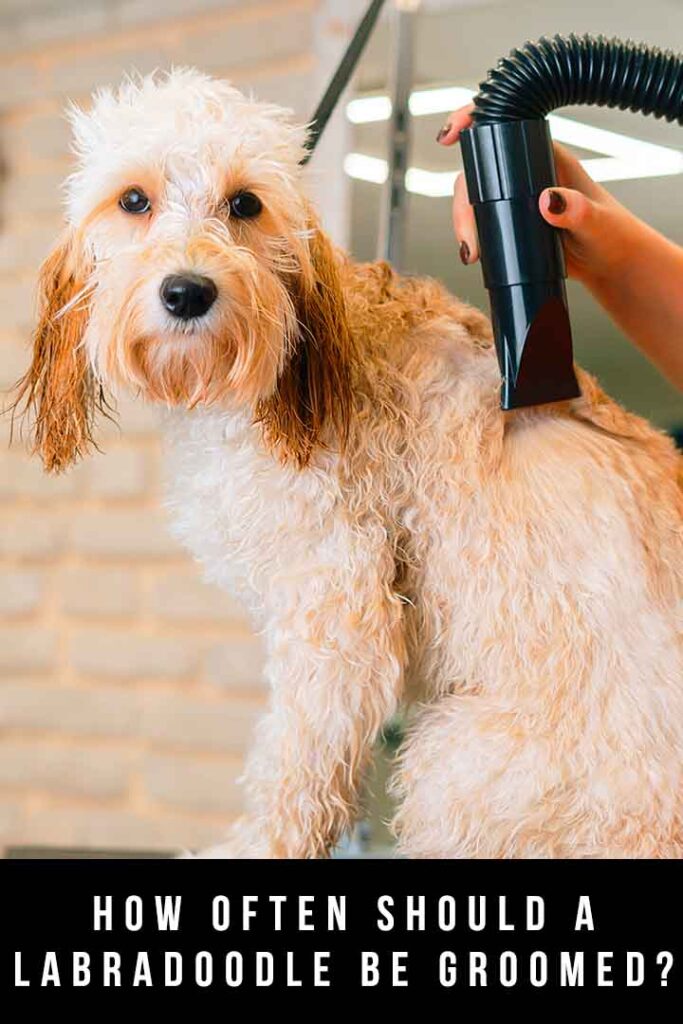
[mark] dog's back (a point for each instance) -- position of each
(542, 567)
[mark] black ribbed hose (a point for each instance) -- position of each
(567, 71)
(508, 161)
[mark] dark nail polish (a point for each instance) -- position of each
(443, 132)
(556, 202)
(465, 253)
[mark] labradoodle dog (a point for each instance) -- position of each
(338, 457)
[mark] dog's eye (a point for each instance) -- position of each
(134, 200)
(245, 205)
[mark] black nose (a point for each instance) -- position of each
(188, 295)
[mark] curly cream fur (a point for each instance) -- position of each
(516, 578)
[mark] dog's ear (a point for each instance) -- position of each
(311, 404)
(58, 392)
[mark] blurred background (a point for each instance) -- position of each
(128, 688)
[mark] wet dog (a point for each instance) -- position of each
(338, 457)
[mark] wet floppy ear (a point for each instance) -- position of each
(311, 404)
(58, 392)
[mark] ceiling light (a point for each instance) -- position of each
(366, 168)
(614, 169)
(372, 109)
(598, 140)
(369, 109)
(438, 184)
(430, 183)
(627, 158)
(436, 101)
(421, 182)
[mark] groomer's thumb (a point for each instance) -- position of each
(566, 208)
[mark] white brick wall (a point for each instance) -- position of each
(27, 649)
(128, 688)
(21, 591)
(99, 592)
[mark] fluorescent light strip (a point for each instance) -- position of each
(423, 102)
(434, 184)
(366, 168)
(614, 169)
(369, 110)
(376, 171)
(438, 184)
(598, 140)
(629, 158)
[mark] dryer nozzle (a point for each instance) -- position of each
(507, 166)
(534, 344)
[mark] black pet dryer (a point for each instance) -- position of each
(508, 160)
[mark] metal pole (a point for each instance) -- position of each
(394, 212)
(342, 76)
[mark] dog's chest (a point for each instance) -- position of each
(244, 517)
(256, 526)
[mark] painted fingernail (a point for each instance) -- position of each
(556, 202)
(443, 132)
(464, 253)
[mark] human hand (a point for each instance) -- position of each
(633, 271)
(594, 224)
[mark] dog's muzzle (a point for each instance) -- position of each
(187, 296)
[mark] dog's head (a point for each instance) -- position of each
(191, 271)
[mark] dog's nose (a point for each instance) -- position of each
(188, 295)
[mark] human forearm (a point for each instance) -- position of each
(642, 290)
(634, 272)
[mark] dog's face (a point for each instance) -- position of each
(191, 270)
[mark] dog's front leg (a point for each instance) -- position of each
(335, 669)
